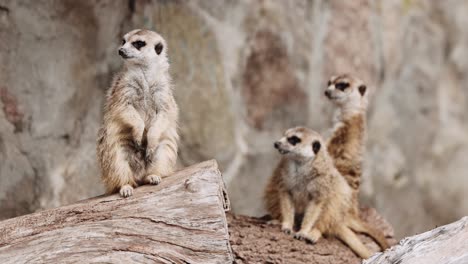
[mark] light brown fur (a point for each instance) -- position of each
(346, 143)
(305, 182)
(137, 142)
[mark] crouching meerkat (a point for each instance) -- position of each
(137, 142)
(306, 182)
(346, 144)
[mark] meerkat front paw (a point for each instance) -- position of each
(126, 191)
(305, 237)
(287, 229)
(152, 179)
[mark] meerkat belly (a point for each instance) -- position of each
(298, 192)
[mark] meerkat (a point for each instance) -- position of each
(306, 182)
(138, 139)
(346, 144)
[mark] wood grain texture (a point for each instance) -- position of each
(445, 245)
(182, 220)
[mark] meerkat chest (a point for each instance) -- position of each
(148, 103)
(296, 180)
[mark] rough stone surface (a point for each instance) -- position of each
(244, 71)
(255, 240)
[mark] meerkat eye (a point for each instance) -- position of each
(329, 83)
(123, 41)
(362, 89)
(294, 140)
(316, 146)
(158, 48)
(341, 86)
(138, 44)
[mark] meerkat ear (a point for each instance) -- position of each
(362, 89)
(316, 146)
(158, 48)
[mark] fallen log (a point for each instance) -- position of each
(445, 245)
(182, 220)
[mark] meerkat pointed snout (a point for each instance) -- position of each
(137, 142)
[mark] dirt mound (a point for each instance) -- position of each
(254, 240)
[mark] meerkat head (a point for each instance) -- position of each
(347, 91)
(141, 47)
(299, 143)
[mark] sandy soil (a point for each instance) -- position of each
(255, 240)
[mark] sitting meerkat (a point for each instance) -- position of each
(347, 140)
(306, 182)
(137, 142)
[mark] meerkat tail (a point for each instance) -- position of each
(362, 227)
(352, 240)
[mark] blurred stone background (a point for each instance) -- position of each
(244, 71)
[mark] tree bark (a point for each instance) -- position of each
(445, 245)
(182, 220)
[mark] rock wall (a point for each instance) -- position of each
(244, 71)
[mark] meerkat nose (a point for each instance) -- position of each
(276, 145)
(327, 93)
(121, 52)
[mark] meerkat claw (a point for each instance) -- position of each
(286, 230)
(126, 191)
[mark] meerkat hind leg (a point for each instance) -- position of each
(362, 227)
(352, 240)
(121, 176)
(162, 163)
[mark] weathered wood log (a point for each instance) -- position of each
(445, 245)
(182, 220)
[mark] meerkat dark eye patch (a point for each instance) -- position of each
(294, 140)
(158, 48)
(329, 83)
(138, 44)
(362, 89)
(341, 86)
(123, 41)
(316, 146)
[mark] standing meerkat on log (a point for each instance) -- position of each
(137, 142)
(306, 182)
(346, 144)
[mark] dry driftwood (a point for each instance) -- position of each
(182, 220)
(445, 245)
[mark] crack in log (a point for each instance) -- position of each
(170, 243)
(166, 223)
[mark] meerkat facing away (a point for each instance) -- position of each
(305, 182)
(346, 144)
(137, 142)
